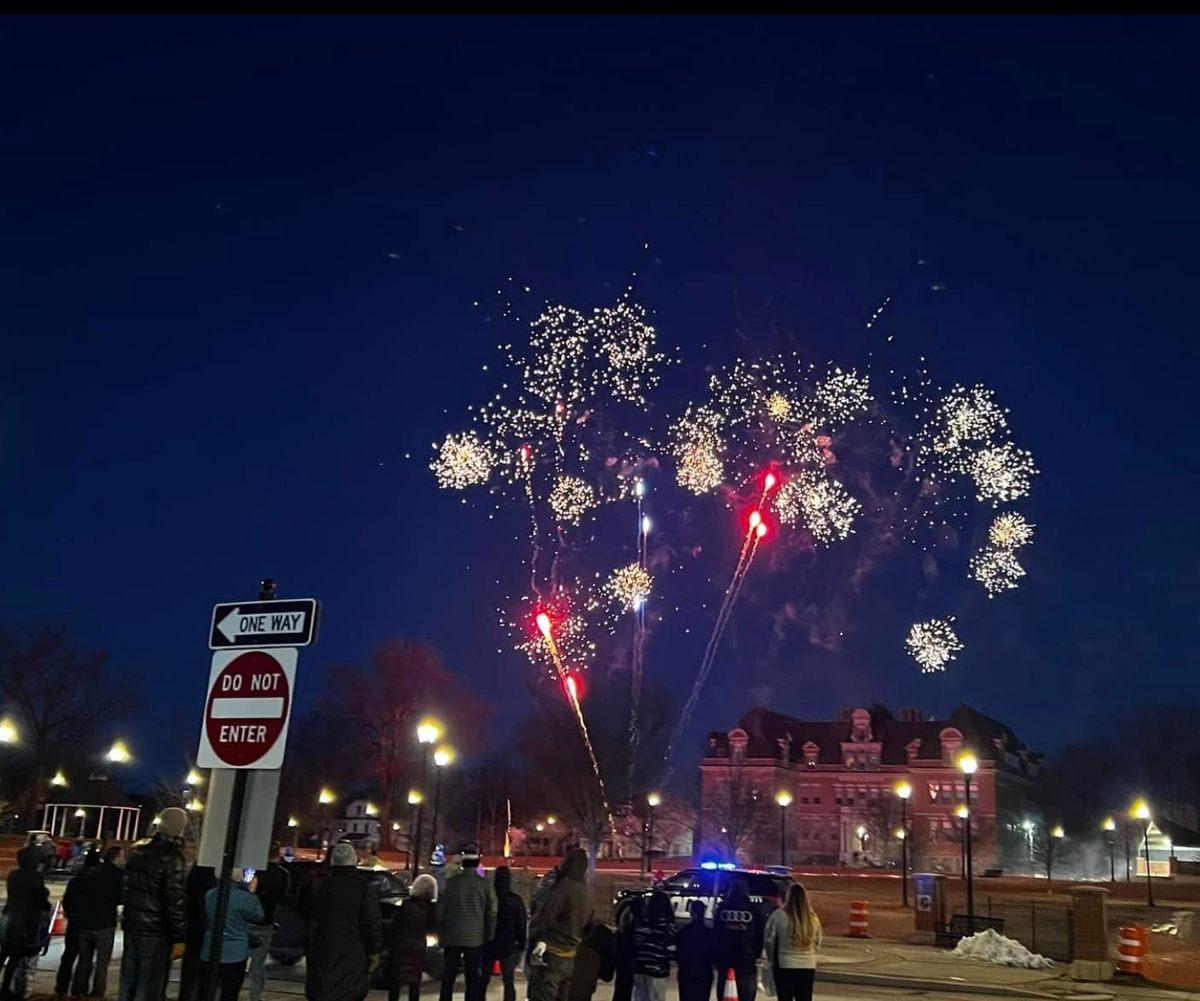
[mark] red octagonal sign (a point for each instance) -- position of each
(249, 703)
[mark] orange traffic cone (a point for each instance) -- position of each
(58, 924)
(730, 992)
(496, 968)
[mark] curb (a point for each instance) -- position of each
(940, 986)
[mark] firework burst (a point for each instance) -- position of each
(996, 570)
(1002, 473)
(571, 499)
(630, 586)
(1010, 530)
(818, 503)
(933, 644)
(463, 460)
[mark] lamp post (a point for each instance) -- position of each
(1056, 834)
(903, 790)
(428, 733)
(1109, 827)
(962, 813)
(1141, 811)
(294, 827)
(652, 801)
(784, 799)
(969, 764)
(442, 758)
(325, 799)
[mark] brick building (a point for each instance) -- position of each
(841, 776)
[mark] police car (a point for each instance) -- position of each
(709, 882)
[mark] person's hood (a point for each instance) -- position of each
(503, 879)
(574, 865)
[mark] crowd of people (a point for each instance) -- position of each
(480, 924)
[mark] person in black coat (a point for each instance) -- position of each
(627, 920)
(508, 942)
(740, 929)
(92, 913)
(406, 938)
(27, 920)
(695, 952)
(66, 966)
(200, 880)
(344, 932)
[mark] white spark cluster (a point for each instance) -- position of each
(933, 644)
(1002, 473)
(462, 460)
(842, 396)
(1010, 530)
(996, 570)
(818, 503)
(630, 586)
(571, 499)
(697, 447)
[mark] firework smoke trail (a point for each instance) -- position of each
(754, 535)
(572, 693)
(638, 654)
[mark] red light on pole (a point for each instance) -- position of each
(544, 624)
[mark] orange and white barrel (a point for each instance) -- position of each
(859, 919)
(1132, 946)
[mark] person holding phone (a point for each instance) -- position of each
(244, 910)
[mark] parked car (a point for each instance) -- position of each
(709, 882)
(287, 944)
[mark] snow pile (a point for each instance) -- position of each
(989, 946)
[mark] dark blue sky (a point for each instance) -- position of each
(239, 256)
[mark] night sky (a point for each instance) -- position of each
(239, 259)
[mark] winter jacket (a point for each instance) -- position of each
(467, 911)
(559, 921)
(27, 907)
(595, 960)
(200, 880)
(92, 897)
(155, 890)
(244, 909)
(273, 884)
(344, 929)
(652, 945)
(405, 942)
(695, 949)
(782, 951)
(509, 937)
(739, 927)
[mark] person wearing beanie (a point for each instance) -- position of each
(345, 934)
(407, 936)
(244, 910)
(508, 942)
(466, 924)
(155, 909)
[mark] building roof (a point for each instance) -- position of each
(986, 737)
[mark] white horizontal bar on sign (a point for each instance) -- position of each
(268, 708)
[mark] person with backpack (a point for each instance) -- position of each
(508, 942)
(653, 943)
(792, 937)
(695, 953)
(739, 927)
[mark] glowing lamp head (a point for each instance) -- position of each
(544, 624)
(1027, 825)
(861, 831)
(194, 805)
(395, 825)
(119, 753)
(539, 828)
(59, 779)
(1058, 832)
(415, 796)
(1141, 810)
(293, 823)
(962, 813)
(900, 834)
(783, 797)
(653, 799)
(551, 820)
(968, 763)
(194, 778)
(326, 797)
(755, 519)
(371, 810)
(8, 732)
(903, 790)
(81, 812)
(443, 756)
(1109, 824)
(428, 731)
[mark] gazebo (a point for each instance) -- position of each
(95, 808)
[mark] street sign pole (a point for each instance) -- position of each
(225, 875)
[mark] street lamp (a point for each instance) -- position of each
(194, 778)
(969, 764)
(59, 779)
(195, 805)
(863, 834)
(784, 799)
(8, 732)
(903, 790)
(429, 732)
(119, 753)
(1141, 811)
(443, 757)
(81, 813)
(652, 800)
(1109, 826)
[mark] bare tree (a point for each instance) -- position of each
(733, 808)
(60, 697)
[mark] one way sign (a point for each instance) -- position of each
(263, 623)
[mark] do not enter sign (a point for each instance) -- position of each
(247, 710)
